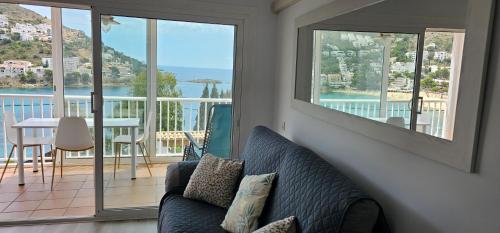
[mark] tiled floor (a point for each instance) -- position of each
(73, 194)
(132, 226)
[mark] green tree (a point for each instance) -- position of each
(214, 93)
(330, 65)
(443, 74)
(86, 79)
(427, 83)
(72, 79)
(22, 77)
(365, 78)
(30, 74)
(200, 119)
(167, 87)
(47, 75)
(30, 77)
(15, 36)
(403, 44)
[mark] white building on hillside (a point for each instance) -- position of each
(403, 67)
(71, 64)
(4, 21)
(412, 55)
(441, 56)
(38, 70)
(401, 85)
(14, 67)
(29, 32)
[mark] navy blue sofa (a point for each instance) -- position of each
(307, 187)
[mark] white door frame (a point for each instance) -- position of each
(57, 61)
(98, 112)
(151, 211)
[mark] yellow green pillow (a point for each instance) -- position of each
(244, 212)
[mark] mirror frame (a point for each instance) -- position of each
(459, 153)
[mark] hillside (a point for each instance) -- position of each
(76, 42)
(17, 14)
(32, 51)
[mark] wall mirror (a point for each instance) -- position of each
(403, 66)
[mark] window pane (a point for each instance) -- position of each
(195, 61)
(368, 74)
(77, 61)
(125, 90)
(25, 81)
(439, 83)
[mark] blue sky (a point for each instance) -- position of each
(179, 43)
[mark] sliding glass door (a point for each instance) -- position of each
(45, 73)
(140, 82)
(128, 180)
(159, 79)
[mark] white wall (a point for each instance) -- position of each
(259, 38)
(418, 195)
(408, 13)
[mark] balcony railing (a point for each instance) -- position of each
(435, 110)
(176, 115)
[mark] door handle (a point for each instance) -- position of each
(421, 104)
(92, 96)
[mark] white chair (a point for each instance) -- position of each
(140, 141)
(72, 135)
(9, 120)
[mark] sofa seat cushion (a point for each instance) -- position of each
(179, 214)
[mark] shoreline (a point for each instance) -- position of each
(394, 95)
(391, 95)
(35, 86)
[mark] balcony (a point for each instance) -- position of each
(73, 193)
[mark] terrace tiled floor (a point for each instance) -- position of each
(73, 194)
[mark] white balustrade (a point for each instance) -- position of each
(434, 109)
(174, 116)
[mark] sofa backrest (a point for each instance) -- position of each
(264, 151)
(307, 187)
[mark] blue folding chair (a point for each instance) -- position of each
(217, 140)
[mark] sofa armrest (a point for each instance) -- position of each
(361, 217)
(178, 175)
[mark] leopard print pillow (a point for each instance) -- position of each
(214, 181)
(286, 225)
